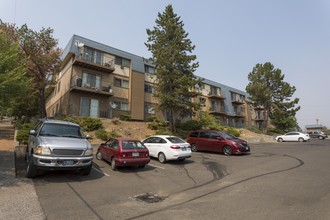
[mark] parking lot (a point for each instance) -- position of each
(277, 181)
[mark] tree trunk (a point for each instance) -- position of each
(42, 103)
(265, 123)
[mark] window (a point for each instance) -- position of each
(214, 106)
(121, 106)
(155, 140)
(214, 90)
(202, 100)
(214, 135)
(121, 83)
(89, 107)
(194, 134)
(91, 81)
(149, 89)
(92, 55)
(204, 135)
(149, 69)
(122, 62)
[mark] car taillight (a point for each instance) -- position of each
(175, 147)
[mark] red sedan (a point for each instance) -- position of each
(123, 152)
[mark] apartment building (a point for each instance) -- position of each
(101, 81)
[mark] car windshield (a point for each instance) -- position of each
(175, 140)
(61, 130)
(228, 136)
(126, 145)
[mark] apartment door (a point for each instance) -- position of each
(89, 107)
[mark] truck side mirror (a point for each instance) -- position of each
(32, 132)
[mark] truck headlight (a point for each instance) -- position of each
(89, 152)
(42, 150)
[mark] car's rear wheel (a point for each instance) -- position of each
(161, 157)
(280, 140)
(301, 139)
(31, 170)
(321, 138)
(99, 155)
(113, 164)
(86, 171)
(194, 147)
(227, 150)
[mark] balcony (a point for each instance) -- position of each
(240, 114)
(217, 110)
(77, 86)
(216, 96)
(103, 63)
(259, 107)
(238, 101)
(259, 118)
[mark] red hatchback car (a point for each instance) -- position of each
(123, 152)
(217, 141)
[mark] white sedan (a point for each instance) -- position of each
(167, 147)
(293, 136)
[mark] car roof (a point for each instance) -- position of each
(206, 130)
(125, 139)
(162, 136)
(54, 121)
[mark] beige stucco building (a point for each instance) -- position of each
(101, 81)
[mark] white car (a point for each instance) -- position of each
(293, 136)
(167, 147)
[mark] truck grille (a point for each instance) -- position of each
(67, 152)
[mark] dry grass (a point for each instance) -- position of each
(140, 130)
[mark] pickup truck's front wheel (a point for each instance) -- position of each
(31, 170)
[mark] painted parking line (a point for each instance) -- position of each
(100, 171)
(156, 166)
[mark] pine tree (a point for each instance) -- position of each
(269, 90)
(174, 62)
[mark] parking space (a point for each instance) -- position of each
(195, 188)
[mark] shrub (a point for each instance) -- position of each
(233, 132)
(125, 117)
(152, 119)
(114, 134)
(90, 124)
(216, 127)
(22, 135)
(102, 134)
(189, 125)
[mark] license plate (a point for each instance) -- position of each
(184, 149)
(68, 162)
(135, 154)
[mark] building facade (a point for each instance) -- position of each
(101, 81)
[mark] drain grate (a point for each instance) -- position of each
(149, 198)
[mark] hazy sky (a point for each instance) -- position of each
(231, 37)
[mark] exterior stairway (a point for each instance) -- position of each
(7, 135)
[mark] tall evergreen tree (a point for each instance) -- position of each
(269, 90)
(172, 56)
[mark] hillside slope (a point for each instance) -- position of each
(140, 130)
